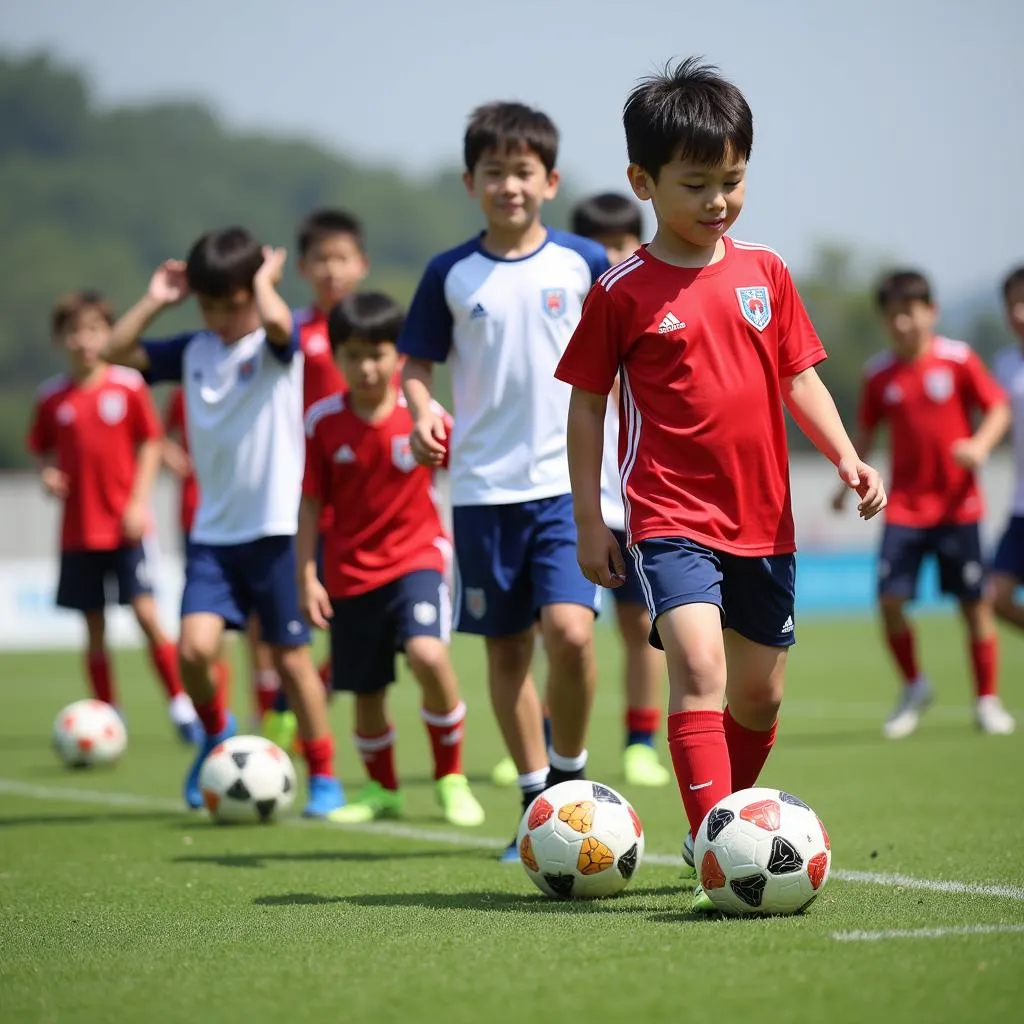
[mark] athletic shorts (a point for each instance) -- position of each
(955, 546)
(90, 580)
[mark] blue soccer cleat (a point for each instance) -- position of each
(191, 733)
(325, 795)
(510, 855)
(193, 794)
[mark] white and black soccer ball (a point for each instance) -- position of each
(247, 779)
(88, 733)
(762, 851)
(580, 840)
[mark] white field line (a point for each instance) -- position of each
(928, 933)
(15, 787)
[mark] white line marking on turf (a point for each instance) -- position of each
(15, 787)
(927, 933)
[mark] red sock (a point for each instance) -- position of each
(319, 755)
(165, 660)
(700, 757)
(378, 754)
(266, 686)
(985, 662)
(101, 679)
(212, 714)
(220, 672)
(641, 725)
(748, 750)
(904, 652)
(446, 739)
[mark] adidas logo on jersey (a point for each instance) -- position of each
(345, 454)
(787, 626)
(478, 312)
(670, 323)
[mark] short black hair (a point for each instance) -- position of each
(610, 213)
(325, 223)
(366, 316)
(903, 286)
(510, 126)
(1014, 279)
(68, 308)
(690, 111)
(222, 262)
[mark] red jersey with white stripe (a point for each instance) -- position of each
(386, 523)
(928, 404)
(702, 438)
(94, 431)
(174, 425)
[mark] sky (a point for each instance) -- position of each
(892, 126)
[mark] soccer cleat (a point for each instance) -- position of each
(185, 721)
(992, 717)
(905, 717)
(193, 794)
(689, 869)
(702, 902)
(282, 728)
(504, 773)
(374, 802)
(457, 801)
(641, 766)
(326, 797)
(510, 855)
(190, 733)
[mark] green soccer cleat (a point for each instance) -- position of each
(504, 773)
(282, 728)
(702, 902)
(457, 801)
(642, 767)
(373, 803)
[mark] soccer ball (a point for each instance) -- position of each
(247, 779)
(580, 840)
(762, 851)
(89, 732)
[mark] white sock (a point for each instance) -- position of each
(182, 711)
(533, 782)
(568, 764)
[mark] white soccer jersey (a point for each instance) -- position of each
(243, 407)
(504, 323)
(1009, 371)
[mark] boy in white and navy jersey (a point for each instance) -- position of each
(501, 308)
(242, 379)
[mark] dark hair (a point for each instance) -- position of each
(609, 213)
(689, 111)
(366, 316)
(510, 126)
(902, 286)
(68, 308)
(1014, 279)
(327, 223)
(223, 262)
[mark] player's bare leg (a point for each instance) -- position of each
(97, 660)
(1004, 599)
(568, 634)
(989, 712)
(916, 692)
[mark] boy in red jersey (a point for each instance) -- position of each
(927, 389)
(97, 440)
(711, 342)
(385, 559)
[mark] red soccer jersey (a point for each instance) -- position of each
(702, 438)
(386, 523)
(174, 423)
(94, 432)
(321, 375)
(928, 403)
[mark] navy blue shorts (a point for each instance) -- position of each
(956, 547)
(90, 580)
(236, 580)
(513, 560)
(632, 591)
(368, 630)
(1009, 557)
(755, 594)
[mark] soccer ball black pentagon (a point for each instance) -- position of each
(247, 779)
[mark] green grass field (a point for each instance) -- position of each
(115, 905)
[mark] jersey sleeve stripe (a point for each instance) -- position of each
(610, 277)
(318, 410)
(757, 247)
(52, 385)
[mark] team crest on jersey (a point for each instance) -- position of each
(246, 370)
(893, 394)
(316, 344)
(112, 407)
(554, 302)
(476, 602)
(938, 384)
(65, 413)
(754, 305)
(401, 454)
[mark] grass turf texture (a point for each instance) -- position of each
(117, 906)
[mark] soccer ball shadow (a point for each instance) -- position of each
(262, 860)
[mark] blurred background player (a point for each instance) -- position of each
(97, 440)
(242, 376)
(927, 390)
(385, 562)
(333, 262)
(501, 307)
